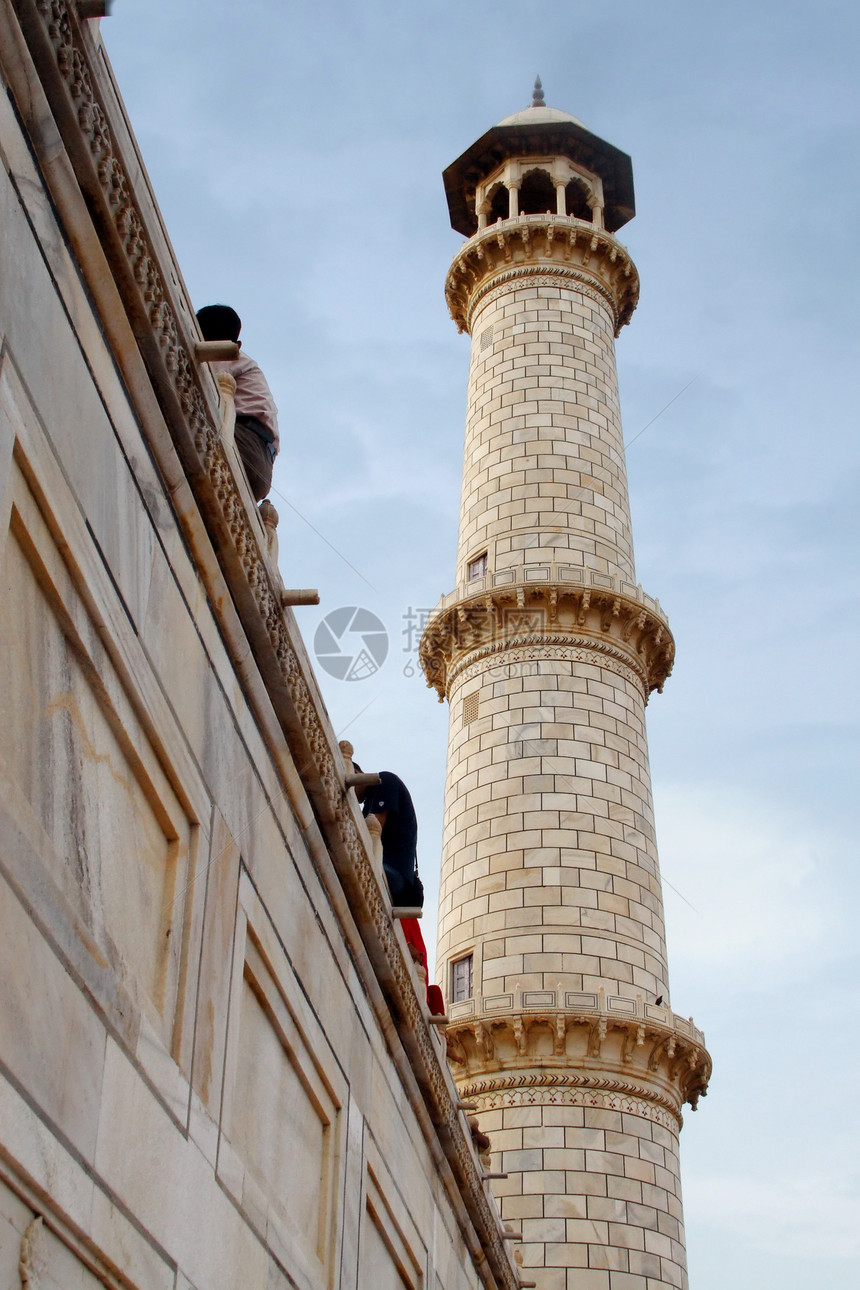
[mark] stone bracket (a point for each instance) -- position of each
(666, 1060)
(562, 614)
(562, 246)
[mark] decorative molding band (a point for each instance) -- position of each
(657, 1060)
(555, 246)
(539, 276)
(618, 626)
(550, 1089)
(61, 54)
(517, 654)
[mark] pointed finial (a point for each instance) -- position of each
(537, 94)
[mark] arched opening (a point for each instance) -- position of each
(575, 202)
(499, 204)
(537, 194)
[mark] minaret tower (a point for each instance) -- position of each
(551, 940)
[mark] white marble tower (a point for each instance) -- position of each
(551, 941)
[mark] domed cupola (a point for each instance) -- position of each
(539, 161)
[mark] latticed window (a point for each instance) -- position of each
(478, 566)
(461, 979)
(470, 707)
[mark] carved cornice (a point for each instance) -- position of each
(656, 1061)
(564, 250)
(108, 185)
(554, 617)
(61, 55)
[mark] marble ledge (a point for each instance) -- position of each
(550, 575)
(574, 1001)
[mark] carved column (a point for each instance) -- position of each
(550, 878)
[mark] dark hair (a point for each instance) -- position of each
(356, 767)
(219, 322)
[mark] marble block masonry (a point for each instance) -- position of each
(551, 935)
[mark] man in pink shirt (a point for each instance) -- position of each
(257, 438)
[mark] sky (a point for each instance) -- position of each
(296, 151)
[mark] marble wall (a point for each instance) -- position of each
(200, 1082)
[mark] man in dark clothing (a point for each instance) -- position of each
(390, 802)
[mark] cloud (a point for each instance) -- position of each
(753, 874)
(813, 1216)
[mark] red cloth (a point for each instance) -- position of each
(435, 1002)
(412, 932)
(414, 939)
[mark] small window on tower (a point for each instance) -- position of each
(461, 979)
(470, 708)
(477, 567)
